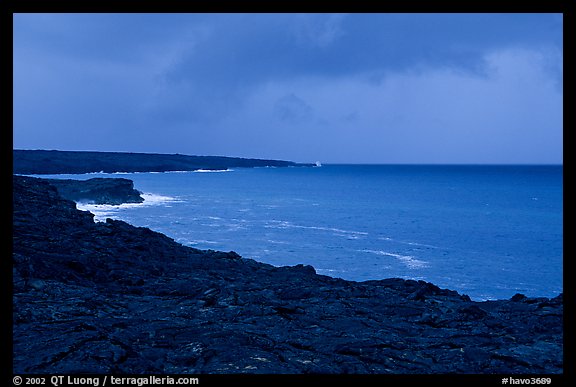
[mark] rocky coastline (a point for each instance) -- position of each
(98, 190)
(108, 297)
(41, 162)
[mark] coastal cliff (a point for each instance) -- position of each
(31, 162)
(112, 191)
(113, 298)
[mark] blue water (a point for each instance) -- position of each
(485, 231)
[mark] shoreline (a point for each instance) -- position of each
(142, 303)
(46, 162)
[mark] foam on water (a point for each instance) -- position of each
(408, 260)
(196, 242)
(410, 243)
(213, 170)
(285, 224)
(103, 211)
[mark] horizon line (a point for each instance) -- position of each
(322, 162)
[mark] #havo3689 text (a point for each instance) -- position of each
(511, 380)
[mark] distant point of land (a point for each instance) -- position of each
(40, 162)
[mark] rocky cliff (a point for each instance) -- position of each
(113, 298)
(30, 162)
(98, 190)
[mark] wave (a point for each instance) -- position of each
(408, 242)
(408, 260)
(155, 199)
(278, 242)
(103, 211)
(213, 170)
(125, 173)
(137, 173)
(285, 224)
(196, 242)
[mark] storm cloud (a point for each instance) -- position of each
(342, 88)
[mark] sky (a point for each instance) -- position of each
(336, 88)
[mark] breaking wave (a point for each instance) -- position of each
(103, 211)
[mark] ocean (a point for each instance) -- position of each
(486, 231)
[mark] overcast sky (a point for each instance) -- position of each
(339, 88)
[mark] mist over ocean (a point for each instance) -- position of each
(485, 231)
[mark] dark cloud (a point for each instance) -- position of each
(364, 87)
(293, 110)
(243, 49)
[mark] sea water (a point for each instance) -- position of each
(485, 231)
